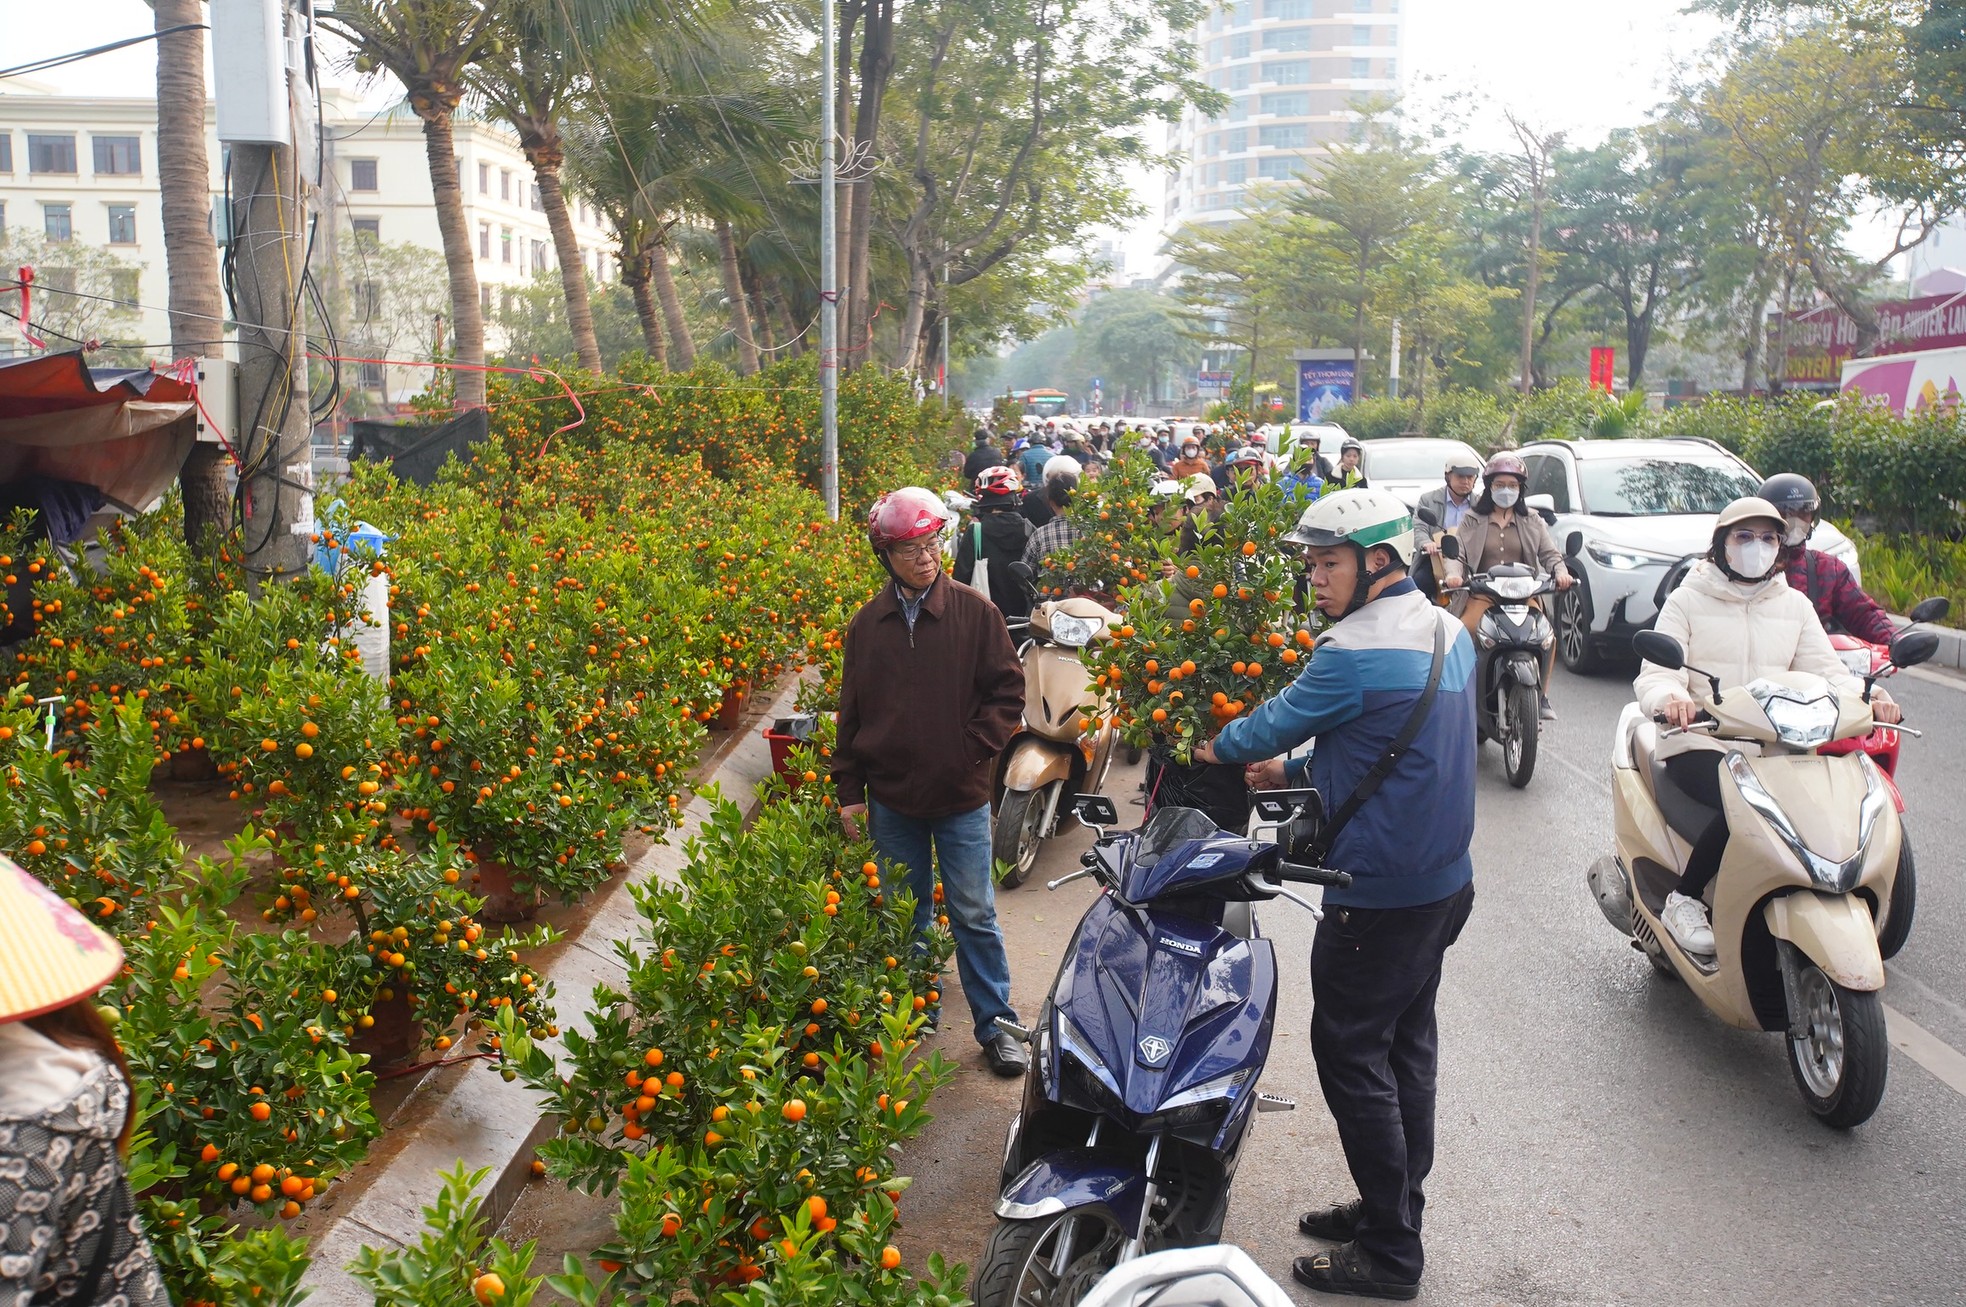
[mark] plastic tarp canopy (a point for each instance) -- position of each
(417, 453)
(125, 431)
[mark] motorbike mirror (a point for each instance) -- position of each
(1022, 571)
(1574, 544)
(1544, 506)
(1931, 610)
(1660, 648)
(1914, 647)
(1450, 547)
(1095, 810)
(1427, 515)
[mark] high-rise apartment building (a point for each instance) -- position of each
(1292, 69)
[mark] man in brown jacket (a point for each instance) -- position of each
(930, 692)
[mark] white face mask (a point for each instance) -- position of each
(1794, 531)
(1751, 560)
(1505, 496)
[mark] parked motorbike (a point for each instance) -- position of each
(1217, 1275)
(1052, 755)
(1805, 889)
(1147, 1052)
(1511, 642)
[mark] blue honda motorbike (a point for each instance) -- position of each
(1146, 1056)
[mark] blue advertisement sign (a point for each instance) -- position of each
(1322, 384)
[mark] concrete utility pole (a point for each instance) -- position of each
(251, 49)
(829, 275)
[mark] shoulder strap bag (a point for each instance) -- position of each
(979, 578)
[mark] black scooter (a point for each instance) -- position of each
(1510, 645)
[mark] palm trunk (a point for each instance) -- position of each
(190, 255)
(467, 315)
(740, 310)
(754, 293)
(672, 308)
(566, 247)
(635, 271)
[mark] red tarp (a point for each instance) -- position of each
(123, 431)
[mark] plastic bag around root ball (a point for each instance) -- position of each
(1216, 788)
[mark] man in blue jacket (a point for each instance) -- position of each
(1376, 962)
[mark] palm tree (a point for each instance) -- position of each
(190, 253)
(430, 46)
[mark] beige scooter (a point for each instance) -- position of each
(1812, 853)
(1052, 756)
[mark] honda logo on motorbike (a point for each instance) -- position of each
(1154, 1050)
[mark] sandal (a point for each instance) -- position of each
(1347, 1270)
(1338, 1222)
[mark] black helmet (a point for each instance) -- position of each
(1791, 492)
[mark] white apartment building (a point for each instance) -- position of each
(1292, 69)
(85, 169)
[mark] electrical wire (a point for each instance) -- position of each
(58, 60)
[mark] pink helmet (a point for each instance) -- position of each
(902, 515)
(1505, 464)
(998, 483)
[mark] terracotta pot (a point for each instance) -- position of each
(395, 1036)
(193, 765)
(505, 901)
(730, 712)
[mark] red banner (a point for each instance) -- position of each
(1604, 367)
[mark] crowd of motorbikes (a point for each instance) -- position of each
(1148, 1051)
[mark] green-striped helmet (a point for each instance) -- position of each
(1366, 518)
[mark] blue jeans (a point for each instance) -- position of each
(961, 843)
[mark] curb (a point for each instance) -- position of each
(482, 1120)
(1952, 644)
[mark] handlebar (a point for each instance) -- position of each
(1305, 873)
(1704, 722)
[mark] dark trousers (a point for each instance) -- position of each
(1698, 773)
(1374, 975)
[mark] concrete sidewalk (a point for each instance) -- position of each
(465, 1114)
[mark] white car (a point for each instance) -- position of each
(1410, 466)
(1285, 440)
(1626, 514)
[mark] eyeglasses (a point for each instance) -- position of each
(920, 549)
(1746, 536)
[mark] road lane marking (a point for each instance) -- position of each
(1926, 1049)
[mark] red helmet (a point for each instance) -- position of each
(998, 483)
(902, 515)
(1505, 464)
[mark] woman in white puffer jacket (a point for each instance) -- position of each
(1737, 618)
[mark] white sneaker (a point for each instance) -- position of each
(1687, 920)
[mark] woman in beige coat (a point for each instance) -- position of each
(1498, 530)
(1737, 618)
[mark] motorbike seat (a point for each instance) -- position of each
(1685, 815)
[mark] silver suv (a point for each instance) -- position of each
(1626, 514)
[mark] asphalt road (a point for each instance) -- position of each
(1602, 1139)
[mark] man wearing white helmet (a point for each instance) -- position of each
(1061, 482)
(1388, 697)
(1041, 504)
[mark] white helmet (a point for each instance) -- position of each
(1060, 466)
(1366, 518)
(1164, 487)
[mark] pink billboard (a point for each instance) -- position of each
(1821, 340)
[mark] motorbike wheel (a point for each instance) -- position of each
(1573, 634)
(1017, 834)
(1904, 902)
(1047, 1261)
(1840, 1062)
(1519, 735)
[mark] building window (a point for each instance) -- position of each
(504, 183)
(1362, 6)
(1238, 139)
(484, 179)
(3, 217)
(484, 298)
(1235, 172)
(538, 205)
(1241, 13)
(1238, 109)
(1365, 36)
(58, 221)
(119, 156)
(1361, 69)
(58, 280)
(1287, 38)
(1276, 169)
(6, 151)
(122, 224)
(371, 376)
(1287, 9)
(54, 154)
(1391, 70)
(1287, 104)
(1239, 77)
(1285, 136)
(126, 286)
(369, 227)
(505, 245)
(484, 240)
(368, 300)
(361, 175)
(1287, 72)
(539, 256)
(1240, 45)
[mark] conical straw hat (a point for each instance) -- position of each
(50, 955)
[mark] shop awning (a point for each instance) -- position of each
(125, 431)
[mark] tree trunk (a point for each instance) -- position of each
(467, 314)
(914, 353)
(672, 308)
(190, 254)
(635, 272)
(1533, 281)
(740, 309)
(754, 293)
(876, 67)
(545, 160)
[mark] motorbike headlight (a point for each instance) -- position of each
(1836, 877)
(1515, 588)
(1857, 660)
(1073, 632)
(1623, 560)
(1799, 723)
